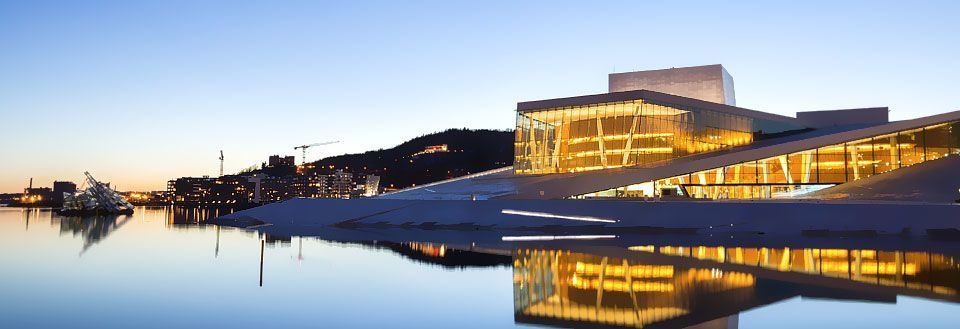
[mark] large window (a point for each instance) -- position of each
(795, 174)
(611, 135)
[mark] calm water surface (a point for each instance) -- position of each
(146, 271)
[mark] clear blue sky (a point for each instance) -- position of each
(138, 92)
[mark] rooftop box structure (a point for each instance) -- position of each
(710, 83)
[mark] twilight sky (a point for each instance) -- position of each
(139, 92)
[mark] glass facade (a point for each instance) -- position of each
(627, 133)
(794, 174)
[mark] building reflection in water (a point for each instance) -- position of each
(555, 287)
(194, 215)
(92, 229)
(441, 254)
(95, 228)
(925, 273)
(571, 289)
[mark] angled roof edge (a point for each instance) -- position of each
(652, 96)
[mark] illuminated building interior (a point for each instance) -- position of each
(794, 174)
(629, 132)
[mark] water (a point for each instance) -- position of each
(157, 270)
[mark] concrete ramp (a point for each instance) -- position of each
(819, 218)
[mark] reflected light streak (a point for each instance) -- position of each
(556, 237)
(549, 215)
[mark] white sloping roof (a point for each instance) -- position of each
(482, 186)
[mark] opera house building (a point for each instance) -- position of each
(676, 133)
(669, 152)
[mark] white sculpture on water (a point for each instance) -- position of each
(97, 198)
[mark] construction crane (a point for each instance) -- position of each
(221, 163)
(305, 147)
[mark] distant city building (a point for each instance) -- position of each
(187, 190)
(442, 148)
(42, 196)
(153, 198)
(9, 198)
(228, 189)
(264, 187)
(37, 195)
(338, 185)
(346, 186)
(61, 187)
(282, 161)
(371, 186)
(276, 189)
(256, 181)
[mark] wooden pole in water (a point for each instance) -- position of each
(262, 242)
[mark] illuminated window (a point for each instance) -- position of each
(798, 173)
(619, 134)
